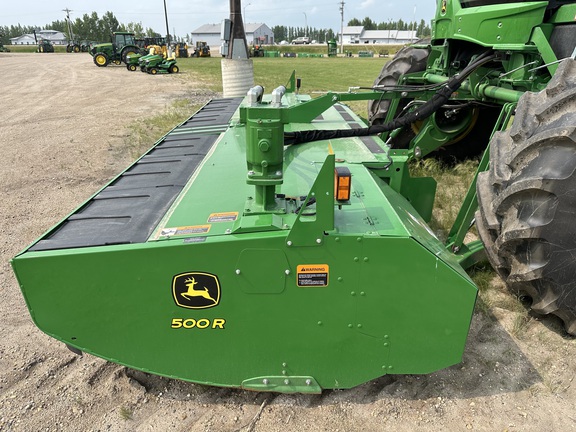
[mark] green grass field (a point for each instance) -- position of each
(318, 74)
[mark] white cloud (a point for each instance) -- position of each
(366, 4)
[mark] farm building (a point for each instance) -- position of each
(56, 37)
(257, 33)
(357, 35)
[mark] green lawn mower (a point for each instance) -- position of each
(157, 64)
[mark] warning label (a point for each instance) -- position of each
(185, 230)
(223, 217)
(312, 275)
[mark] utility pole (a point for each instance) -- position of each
(70, 35)
(167, 31)
(342, 27)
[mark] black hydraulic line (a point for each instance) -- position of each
(437, 101)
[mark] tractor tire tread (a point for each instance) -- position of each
(527, 199)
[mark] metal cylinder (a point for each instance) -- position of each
(237, 77)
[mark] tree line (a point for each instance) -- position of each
(422, 29)
(289, 33)
(322, 35)
(90, 27)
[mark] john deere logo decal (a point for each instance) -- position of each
(196, 290)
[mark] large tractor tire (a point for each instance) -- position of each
(527, 200)
(407, 60)
(128, 51)
(101, 59)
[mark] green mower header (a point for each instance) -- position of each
(224, 257)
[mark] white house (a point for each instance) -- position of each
(56, 37)
(352, 34)
(357, 35)
(256, 33)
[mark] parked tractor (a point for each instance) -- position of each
(45, 46)
(155, 64)
(123, 44)
(277, 242)
(181, 50)
(74, 47)
(509, 95)
(202, 49)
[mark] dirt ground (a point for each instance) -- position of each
(63, 134)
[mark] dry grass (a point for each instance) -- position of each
(143, 135)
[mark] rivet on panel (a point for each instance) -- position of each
(265, 381)
(318, 241)
(289, 243)
(287, 272)
(237, 271)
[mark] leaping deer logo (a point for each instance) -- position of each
(196, 290)
(192, 292)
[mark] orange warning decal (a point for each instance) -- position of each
(312, 275)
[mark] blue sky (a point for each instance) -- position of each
(186, 15)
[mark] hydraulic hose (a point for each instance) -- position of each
(421, 113)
